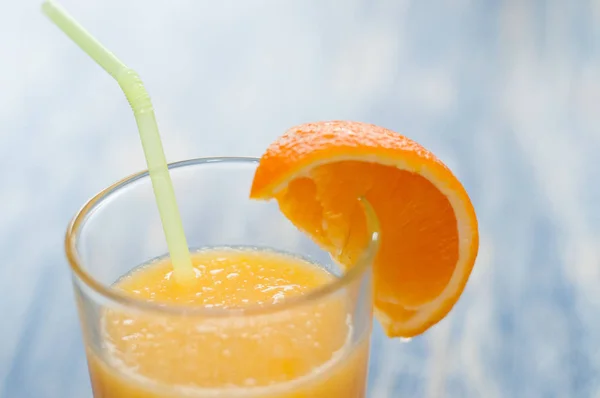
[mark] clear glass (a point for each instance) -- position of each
(119, 230)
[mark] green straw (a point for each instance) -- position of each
(138, 98)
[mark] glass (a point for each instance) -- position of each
(119, 230)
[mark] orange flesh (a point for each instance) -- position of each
(428, 228)
(419, 242)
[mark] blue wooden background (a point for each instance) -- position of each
(507, 93)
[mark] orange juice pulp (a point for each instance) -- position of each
(308, 350)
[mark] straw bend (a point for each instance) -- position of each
(140, 103)
(135, 92)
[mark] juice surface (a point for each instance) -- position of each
(302, 351)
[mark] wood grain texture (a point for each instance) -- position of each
(505, 93)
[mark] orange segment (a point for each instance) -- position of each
(429, 236)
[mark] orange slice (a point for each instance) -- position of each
(429, 236)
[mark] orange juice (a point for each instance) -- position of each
(305, 350)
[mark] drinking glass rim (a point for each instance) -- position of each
(119, 297)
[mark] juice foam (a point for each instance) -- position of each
(291, 352)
